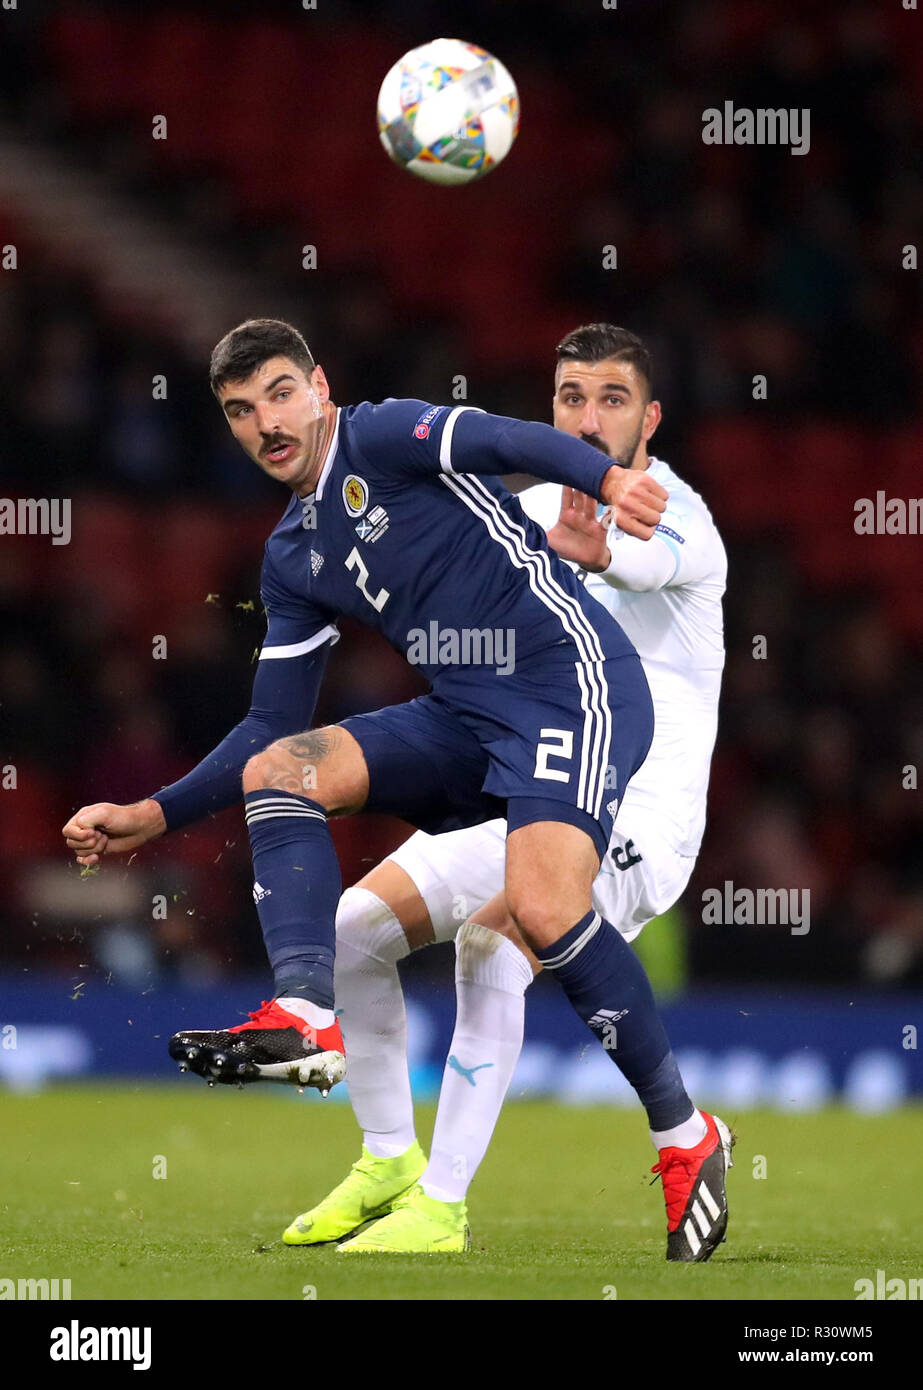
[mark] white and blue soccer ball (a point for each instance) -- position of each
(448, 111)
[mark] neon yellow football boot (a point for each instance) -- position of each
(417, 1225)
(367, 1192)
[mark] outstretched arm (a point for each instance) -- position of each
(467, 440)
(285, 689)
(681, 551)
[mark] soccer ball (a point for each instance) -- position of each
(448, 111)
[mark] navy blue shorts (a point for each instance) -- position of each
(554, 740)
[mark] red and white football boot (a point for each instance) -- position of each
(274, 1046)
(694, 1190)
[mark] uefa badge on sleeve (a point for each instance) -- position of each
(421, 428)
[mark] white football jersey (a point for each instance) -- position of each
(666, 593)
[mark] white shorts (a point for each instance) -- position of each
(456, 873)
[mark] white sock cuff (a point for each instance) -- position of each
(367, 924)
(484, 957)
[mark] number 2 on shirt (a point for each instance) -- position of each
(354, 561)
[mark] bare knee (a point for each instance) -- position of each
(525, 918)
(543, 917)
(367, 924)
(550, 868)
(538, 921)
(496, 919)
(325, 765)
(400, 895)
(290, 764)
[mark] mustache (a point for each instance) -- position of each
(277, 442)
(623, 459)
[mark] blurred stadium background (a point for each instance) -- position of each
(134, 255)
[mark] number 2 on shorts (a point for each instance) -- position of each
(560, 745)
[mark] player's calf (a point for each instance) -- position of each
(370, 942)
(289, 788)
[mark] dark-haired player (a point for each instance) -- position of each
(396, 520)
(667, 593)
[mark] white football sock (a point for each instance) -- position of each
(491, 978)
(370, 942)
(312, 1014)
(684, 1136)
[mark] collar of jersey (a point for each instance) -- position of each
(318, 492)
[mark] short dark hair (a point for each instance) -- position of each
(251, 344)
(597, 342)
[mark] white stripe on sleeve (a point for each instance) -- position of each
(326, 634)
(448, 429)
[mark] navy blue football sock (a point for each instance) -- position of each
(296, 891)
(608, 987)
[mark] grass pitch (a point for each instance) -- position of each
(561, 1209)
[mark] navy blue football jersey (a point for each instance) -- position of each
(402, 534)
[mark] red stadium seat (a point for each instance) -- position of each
(735, 459)
(177, 78)
(107, 561)
(825, 557)
(726, 446)
(905, 609)
(192, 550)
(95, 51)
(35, 828)
(827, 451)
(898, 462)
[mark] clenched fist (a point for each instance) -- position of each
(637, 499)
(106, 829)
